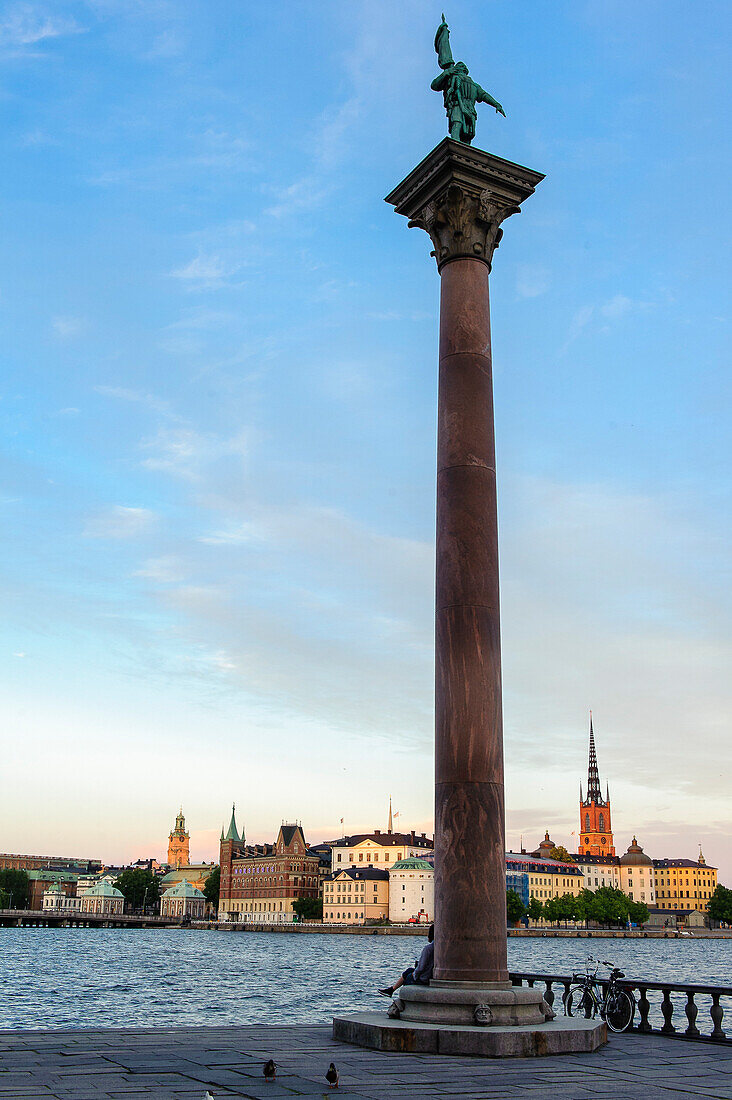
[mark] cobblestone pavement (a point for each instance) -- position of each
(182, 1063)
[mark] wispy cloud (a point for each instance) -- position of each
(532, 280)
(617, 307)
(138, 397)
(164, 570)
(67, 327)
(120, 522)
(186, 453)
(28, 24)
(205, 271)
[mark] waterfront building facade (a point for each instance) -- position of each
(379, 849)
(260, 882)
(545, 878)
(596, 834)
(84, 883)
(517, 879)
(684, 884)
(183, 900)
(356, 895)
(599, 871)
(55, 900)
(411, 891)
(42, 881)
(103, 899)
(637, 876)
(195, 874)
(179, 843)
(9, 862)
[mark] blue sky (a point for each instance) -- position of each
(218, 416)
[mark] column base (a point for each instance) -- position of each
(565, 1035)
(493, 1004)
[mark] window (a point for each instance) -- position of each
(587, 826)
(602, 823)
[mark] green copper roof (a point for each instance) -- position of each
(104, 890)
(233, 833)
(183, 890)
(412, 864)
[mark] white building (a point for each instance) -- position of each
(637, 875)
(84, 883)
(599, 871)
(378, 849)
(55, 900)
(411, 891)
(103, 899)
(183, 900)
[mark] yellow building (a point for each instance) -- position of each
(684, 884)
(547, 878)
(355, 895)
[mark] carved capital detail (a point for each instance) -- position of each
(462, 221)
(460, 195)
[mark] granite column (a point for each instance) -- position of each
(460, 196)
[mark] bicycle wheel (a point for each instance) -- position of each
(579, 1002)
(619, 1011)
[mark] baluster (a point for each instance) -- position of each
(717, 1012)
(530, 983)
(667, 1008)
(644, 1007)
(691, 1009)
(566, 983)
(549, 995)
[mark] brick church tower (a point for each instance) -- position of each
(596, 831)
(178, 843)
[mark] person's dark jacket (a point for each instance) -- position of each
(425, 965)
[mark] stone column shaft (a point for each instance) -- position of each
(460, 196)
(469, 812)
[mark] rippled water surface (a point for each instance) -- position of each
(96, 977)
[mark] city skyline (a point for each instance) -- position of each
(218, 404)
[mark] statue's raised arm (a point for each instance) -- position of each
(459, 90)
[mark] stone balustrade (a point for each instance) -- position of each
(658, 1010)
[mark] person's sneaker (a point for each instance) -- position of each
(388, 992)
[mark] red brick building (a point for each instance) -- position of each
(260, 882)
(10, 862)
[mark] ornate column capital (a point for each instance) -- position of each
(460, 196)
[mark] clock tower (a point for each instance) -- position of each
(596, 831)
(178, 843)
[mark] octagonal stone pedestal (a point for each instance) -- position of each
(565, 1035)
(441, 1019)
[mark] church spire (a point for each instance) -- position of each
(391, 821)
(233, 833)
(594, 794)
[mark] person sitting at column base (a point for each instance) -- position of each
(421, 972)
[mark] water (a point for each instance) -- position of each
(96, 977)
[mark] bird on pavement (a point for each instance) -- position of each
(208, 1095)
(269, 1070)
(332, 1076)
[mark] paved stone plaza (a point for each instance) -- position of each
(180, 1063)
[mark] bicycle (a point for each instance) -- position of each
(591, 995)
